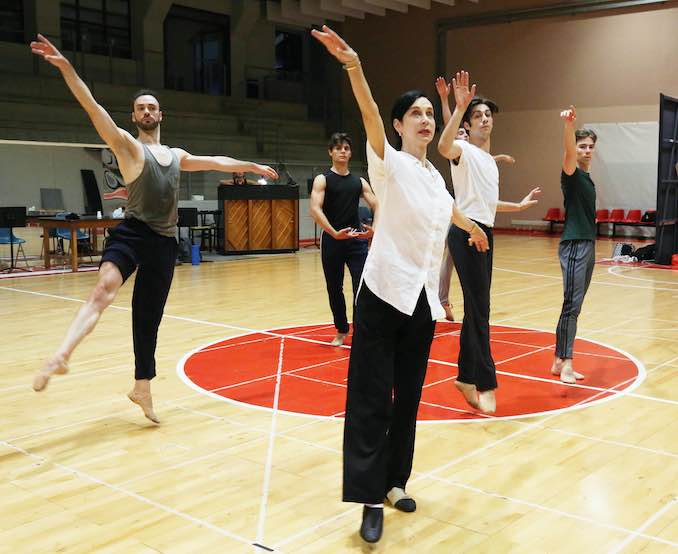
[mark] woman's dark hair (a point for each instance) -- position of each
(581, 134)
(477, 100)
(337, 139)
(144, 92)
(401, 105)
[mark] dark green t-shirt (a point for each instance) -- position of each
(579, 194)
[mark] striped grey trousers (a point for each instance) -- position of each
(576, 262)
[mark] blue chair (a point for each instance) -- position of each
(63, 233)
(10, 238)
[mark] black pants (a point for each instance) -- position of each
(476, 366)
(385, 376)
(132, 245)
(335, 254)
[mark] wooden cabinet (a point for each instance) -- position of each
(259, 218)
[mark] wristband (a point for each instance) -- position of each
(353, 64)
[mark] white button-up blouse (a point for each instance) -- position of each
(415, 210)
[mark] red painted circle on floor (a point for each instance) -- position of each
(244, 369)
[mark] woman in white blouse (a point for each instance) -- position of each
(397, 302)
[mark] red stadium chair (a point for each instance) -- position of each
(617, 216)
(602, 216)
(553, 216)
(632, 217)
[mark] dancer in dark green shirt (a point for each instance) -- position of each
(577, 243)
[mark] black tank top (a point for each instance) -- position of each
(342, 194)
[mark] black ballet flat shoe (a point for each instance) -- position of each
(373, 524)
(406, 505)
(400, 500)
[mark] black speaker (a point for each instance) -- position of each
(667, 181)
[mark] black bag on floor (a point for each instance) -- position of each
(646, 253)
(622, 249)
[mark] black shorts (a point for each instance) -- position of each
(133, 243)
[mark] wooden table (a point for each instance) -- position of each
(85, 222)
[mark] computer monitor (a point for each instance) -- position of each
(13, 217)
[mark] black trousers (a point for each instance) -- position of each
(476, 366)
(385, 377)
(131, 246)
(335, 254)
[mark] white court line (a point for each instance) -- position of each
(75, 374)
(648, 337)
(527, 427)
(269, 454)
(593, 282)
(613, 393)
(180, 318)
(223, 450)
(649, 521)
(186, 397)
(663, 364)
(525, 289)
(523, 424)
(266, 338)
(286, 373)
(561, 513)
(611, 271)
(287, 435)
(86, 477)
(551, 346)
(234, 327)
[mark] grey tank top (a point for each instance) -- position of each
(153, 196)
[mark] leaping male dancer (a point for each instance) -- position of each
(146, 240)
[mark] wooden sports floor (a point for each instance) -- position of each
(247, 457)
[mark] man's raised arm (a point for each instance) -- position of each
(117, 139)
(462, 97)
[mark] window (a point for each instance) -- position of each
(96, 27)
(12, 20)
(197, 51)
(288, 51)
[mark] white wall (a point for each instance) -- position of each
(24, 170)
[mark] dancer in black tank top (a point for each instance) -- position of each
(146, 241)
(334, 206)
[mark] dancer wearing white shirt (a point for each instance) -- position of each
(476, 187)
(443, 89)
(398, 300)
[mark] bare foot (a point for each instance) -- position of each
(470, 393)
(57, 365)
(557, 370)
(449, 314)
(339, 339)
(487, 402)
(145, 401)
